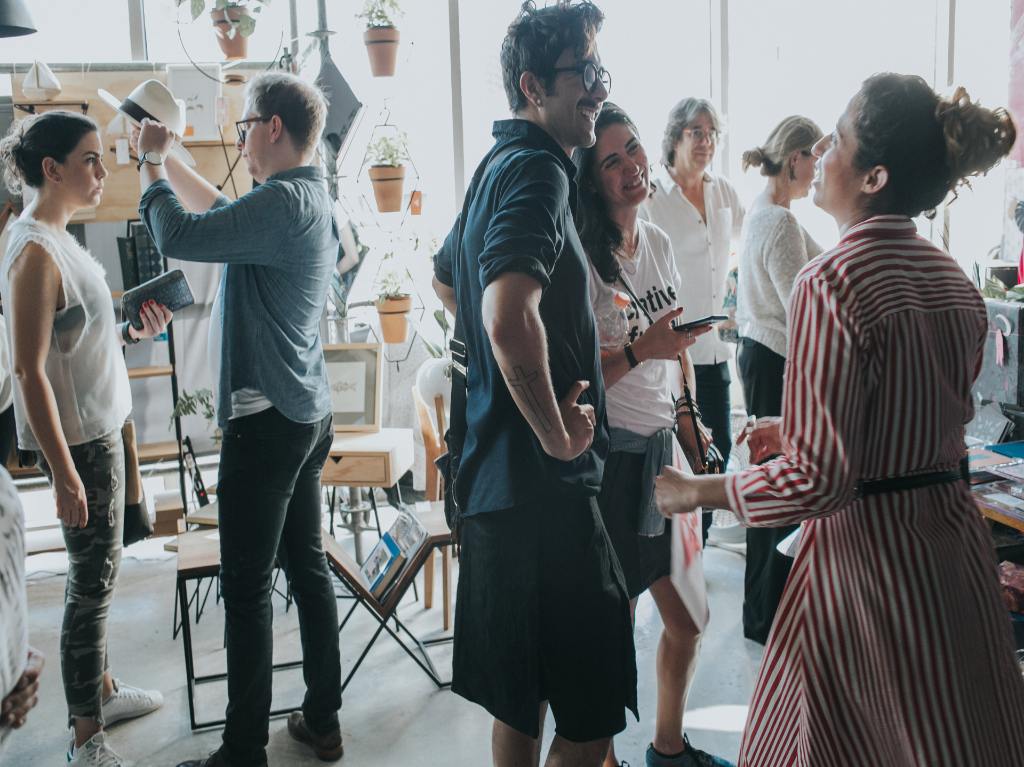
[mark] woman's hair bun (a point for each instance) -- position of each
(976, 138)
(753, 158)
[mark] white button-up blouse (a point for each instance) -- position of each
(701, 250)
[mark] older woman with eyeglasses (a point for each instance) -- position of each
(702, 215)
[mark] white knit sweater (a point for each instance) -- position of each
(773, 250)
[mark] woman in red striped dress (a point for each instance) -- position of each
(891, 646)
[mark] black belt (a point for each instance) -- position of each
(867, 487)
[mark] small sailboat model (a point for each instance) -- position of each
(40, 84)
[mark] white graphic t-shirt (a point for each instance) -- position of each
(641, 401)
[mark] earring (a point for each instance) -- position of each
(792, 173)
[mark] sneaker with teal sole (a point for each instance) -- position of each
(690, 757)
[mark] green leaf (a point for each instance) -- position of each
(433, 349)
(246, 25)
(198, 6)
(442, 320)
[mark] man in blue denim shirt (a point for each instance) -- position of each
(279, 243)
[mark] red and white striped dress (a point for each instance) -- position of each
(891, 646)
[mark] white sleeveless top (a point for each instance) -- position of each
(84, 364)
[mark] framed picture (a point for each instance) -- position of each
(354, 377)
(201, 93)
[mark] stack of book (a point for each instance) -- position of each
(140, 260)
(389, 557)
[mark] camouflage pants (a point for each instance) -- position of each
(94, 556)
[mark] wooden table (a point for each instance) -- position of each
(378, 459)
(369, 460)
(198, 558)
(998, 515)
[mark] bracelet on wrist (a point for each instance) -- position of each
(630, 356)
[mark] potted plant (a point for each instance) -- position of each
(232, 21)
(199, 402)
(387, 171)
(393, 304)
(381, 35)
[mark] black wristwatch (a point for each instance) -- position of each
(126, 335)
(633, 361)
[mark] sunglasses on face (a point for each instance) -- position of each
(591, 74)
(242, 126)
(699, 134)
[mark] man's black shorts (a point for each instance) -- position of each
(542, 614)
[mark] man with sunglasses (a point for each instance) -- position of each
(542, 615)
(279, 244)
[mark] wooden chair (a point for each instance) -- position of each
(433, 445)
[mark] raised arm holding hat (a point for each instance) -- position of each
(279, 243)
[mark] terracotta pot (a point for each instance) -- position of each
(236, 47)
(392, 313)
(387, 186)
(382, 47)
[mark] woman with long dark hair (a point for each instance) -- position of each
(891, 645)
(642, 359)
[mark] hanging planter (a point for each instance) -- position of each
(393, 312)
(387, 171)
(393, 302)
(387, 181)
(381, 36)
(382, 48)
(232, 22)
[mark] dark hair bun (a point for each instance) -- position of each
(28, 142)
(976, 138)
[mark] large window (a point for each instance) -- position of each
(83, 30)
(787, 59)
(656, 52)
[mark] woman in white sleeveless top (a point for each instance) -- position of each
(71, 397)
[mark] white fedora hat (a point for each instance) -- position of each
(152, 99)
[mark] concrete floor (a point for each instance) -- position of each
(392, 714)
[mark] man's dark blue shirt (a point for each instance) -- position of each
(520, 219)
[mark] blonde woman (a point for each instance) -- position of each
(773, 249)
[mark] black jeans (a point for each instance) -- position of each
(761, 371)
(715, 406)
(268, 492)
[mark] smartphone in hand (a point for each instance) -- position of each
(711, 319)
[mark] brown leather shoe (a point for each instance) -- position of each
(328, 748)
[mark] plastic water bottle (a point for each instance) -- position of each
(613, 326)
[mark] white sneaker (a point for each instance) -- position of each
(127, 702)
(94, 753)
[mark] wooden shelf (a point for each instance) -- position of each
(23, 472)
(31, 105)
(116, 294)
(158, 451)
(152, 371)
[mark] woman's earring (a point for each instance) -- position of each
(792, 173)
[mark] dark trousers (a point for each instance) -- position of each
(761, 371)
(8, 434)
(714, 403)
(269, 505)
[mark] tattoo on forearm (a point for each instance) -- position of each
(523, 384)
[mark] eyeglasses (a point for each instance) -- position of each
(699, 134)
(243, 130)
(591, 74)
